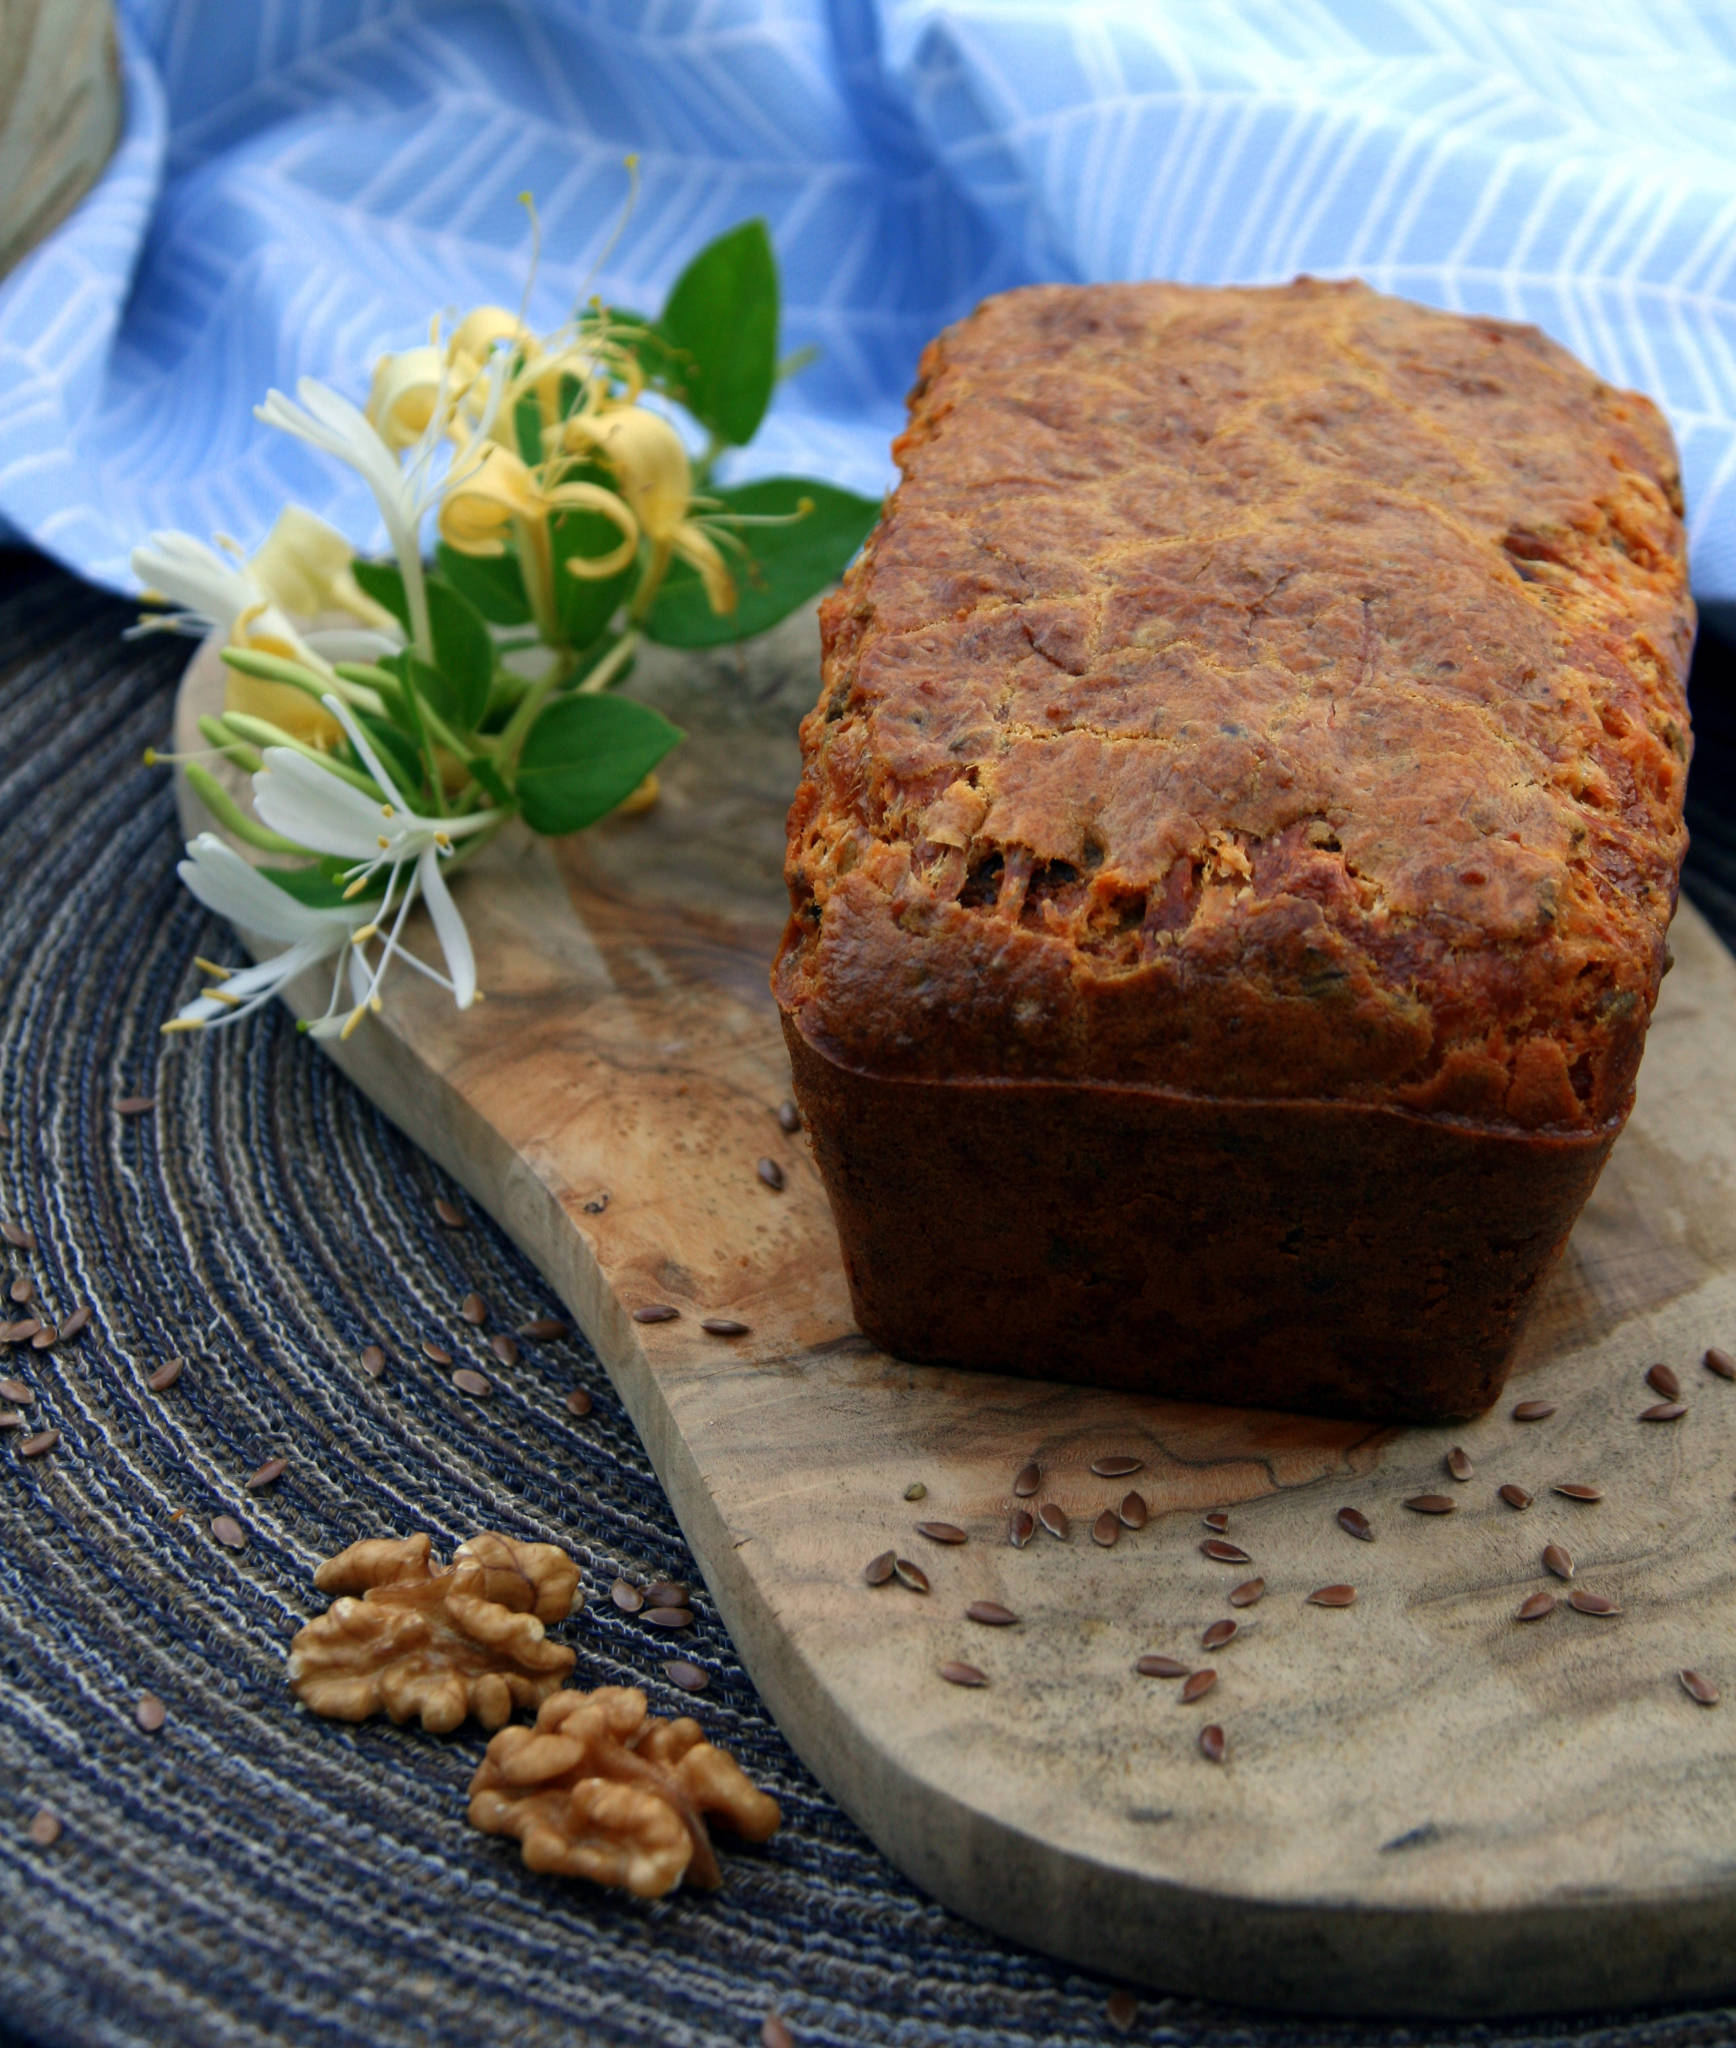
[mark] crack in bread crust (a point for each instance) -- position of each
(1270, 693)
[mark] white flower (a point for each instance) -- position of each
(225, 883)
(326, 420)
(224, 596)
(213, 595)
(299, 798)
(302, 566)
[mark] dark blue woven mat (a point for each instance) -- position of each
(247, 1874)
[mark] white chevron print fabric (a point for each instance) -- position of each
(302, 181)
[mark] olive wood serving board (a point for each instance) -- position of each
(1426, 1805)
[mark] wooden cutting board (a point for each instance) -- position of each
(1427, 1806)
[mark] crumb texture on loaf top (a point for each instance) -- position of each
(1258, 693)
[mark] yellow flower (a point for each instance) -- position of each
(411, 387)
(302, 569)
(478, 332)
(478, 336)
(407, 387)
(218, 593)
(264, 628)
(656, 479)
(304, 565)
(477, 513)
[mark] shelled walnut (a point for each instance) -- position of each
(436, 1643)
(601, 1789)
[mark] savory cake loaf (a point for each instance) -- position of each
(1236, 841)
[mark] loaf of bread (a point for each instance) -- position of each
(1236, 841)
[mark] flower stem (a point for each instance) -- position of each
(421, 712)
(407, 546)
(533, 700)
(359, 672)
(483, 823)
(536, 565)
(611, 664)
(440, 732)
(513, 732)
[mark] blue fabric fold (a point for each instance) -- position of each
(300, 186)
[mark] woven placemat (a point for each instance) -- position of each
(246, 1873)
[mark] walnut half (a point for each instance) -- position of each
(601, 1789)
(440, 1644)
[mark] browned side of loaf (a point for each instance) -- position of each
(1340, 1258)
(1253, 694)
(1236, 841)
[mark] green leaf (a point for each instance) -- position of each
(492, 583)
(585, 604)
(414, 675)
(584, 755)
(422, 680)
(786, 565)
(504, 698)
(316, 887)
(463, 653)
(384, 583)
(722, 322)
(527, 425)
(488, 775)
(397, 752)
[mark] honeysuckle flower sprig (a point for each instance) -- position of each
(308, 934)
(394, 713)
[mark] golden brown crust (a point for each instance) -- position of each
(1257, 693)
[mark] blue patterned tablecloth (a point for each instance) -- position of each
(301, 182)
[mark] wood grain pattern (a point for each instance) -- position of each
(1426, 1805)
